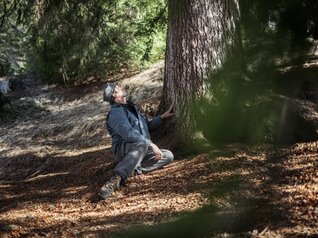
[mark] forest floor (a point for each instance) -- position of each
(55, 156)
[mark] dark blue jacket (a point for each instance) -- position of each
(126, 124)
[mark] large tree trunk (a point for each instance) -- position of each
(202, 36)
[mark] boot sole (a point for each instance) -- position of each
(104, 196)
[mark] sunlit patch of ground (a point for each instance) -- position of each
(56, 155)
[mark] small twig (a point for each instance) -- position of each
(263, 231)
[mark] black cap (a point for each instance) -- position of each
(108, 91)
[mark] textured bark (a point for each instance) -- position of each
(202, 35)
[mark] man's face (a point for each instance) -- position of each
(120, 94)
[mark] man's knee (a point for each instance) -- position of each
(167, 155)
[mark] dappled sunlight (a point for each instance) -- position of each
(70, 152)
(52, 180)
(148, 206)
(237, 180)
(241, 78)
(45, 176)
(55, 162)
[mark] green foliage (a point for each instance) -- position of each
(292, 20)
(240, 111)
(240, 105)
(13, 38)
(94, 38)
(71, 40)
(201, 223)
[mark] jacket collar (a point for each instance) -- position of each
(129, 103)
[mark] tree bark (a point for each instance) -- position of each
(202, 36)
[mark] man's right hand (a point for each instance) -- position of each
(168, 113)
(156, 151)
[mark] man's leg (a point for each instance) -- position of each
(149, 163)
(129, 156)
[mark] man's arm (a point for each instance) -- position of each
(154, 123)
(158, 120)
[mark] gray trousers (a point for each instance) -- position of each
(131, 156)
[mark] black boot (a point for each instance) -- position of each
(110, 186)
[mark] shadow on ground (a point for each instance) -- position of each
(245, 203)
(28, 178)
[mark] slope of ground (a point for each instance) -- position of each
(55, 156)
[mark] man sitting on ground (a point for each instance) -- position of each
(131, 143)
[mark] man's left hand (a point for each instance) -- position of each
(157, 152)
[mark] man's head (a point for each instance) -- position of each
(115, 94)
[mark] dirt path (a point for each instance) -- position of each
(55, 156)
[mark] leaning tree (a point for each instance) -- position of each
(203, 35)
